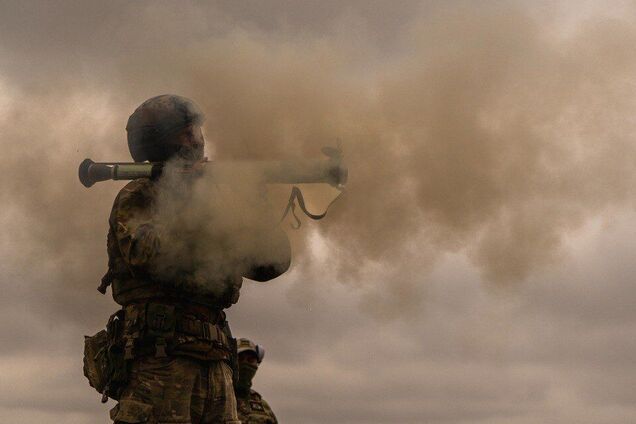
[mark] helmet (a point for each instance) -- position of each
(154, 121)
(246, 345)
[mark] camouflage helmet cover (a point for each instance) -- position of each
(246, 345)
(151, 124)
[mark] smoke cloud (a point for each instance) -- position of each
(487, 131)
(210, 234)
(485, 134)
(485, 140)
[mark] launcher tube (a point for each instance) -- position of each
(330, 171)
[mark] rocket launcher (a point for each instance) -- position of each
(330, 170)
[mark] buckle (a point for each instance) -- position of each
(207, 333)
(160, 348)
(128, 350)
(160, 319)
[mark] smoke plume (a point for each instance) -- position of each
(480, 129)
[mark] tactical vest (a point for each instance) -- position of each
(128, 288)
(137, 286)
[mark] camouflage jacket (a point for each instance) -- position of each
(133, 243)
(137, 273)
(254, 410)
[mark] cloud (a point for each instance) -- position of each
(482, 141)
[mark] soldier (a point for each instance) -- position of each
(177, 346)
(252, 408)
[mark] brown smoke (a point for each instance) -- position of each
(480, 129)
(486, 134)
(210, 231)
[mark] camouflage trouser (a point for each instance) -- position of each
(177, 390)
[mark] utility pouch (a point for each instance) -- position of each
(104, 363)
(118, 366)
(160, 326)
(234, 361)
(95, 360)
(233, 348)
(160, 320)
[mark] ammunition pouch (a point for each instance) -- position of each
(104, 363)
(160, 326)
(95, 360)
(233, 357)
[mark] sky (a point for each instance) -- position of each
(477, 268)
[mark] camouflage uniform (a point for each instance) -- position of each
(179, 351)
(177, 389)
(253, 409)
(177, 348)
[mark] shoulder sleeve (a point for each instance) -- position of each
(268, 411)
(131, 220)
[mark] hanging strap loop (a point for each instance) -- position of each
(297, 194)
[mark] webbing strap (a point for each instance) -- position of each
(205, 330)
(296, 194)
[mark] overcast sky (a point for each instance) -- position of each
(478, 269)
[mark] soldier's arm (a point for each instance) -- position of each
(137, 234)
(268, 411)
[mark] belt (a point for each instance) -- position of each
(160, 321)
(202, 329)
